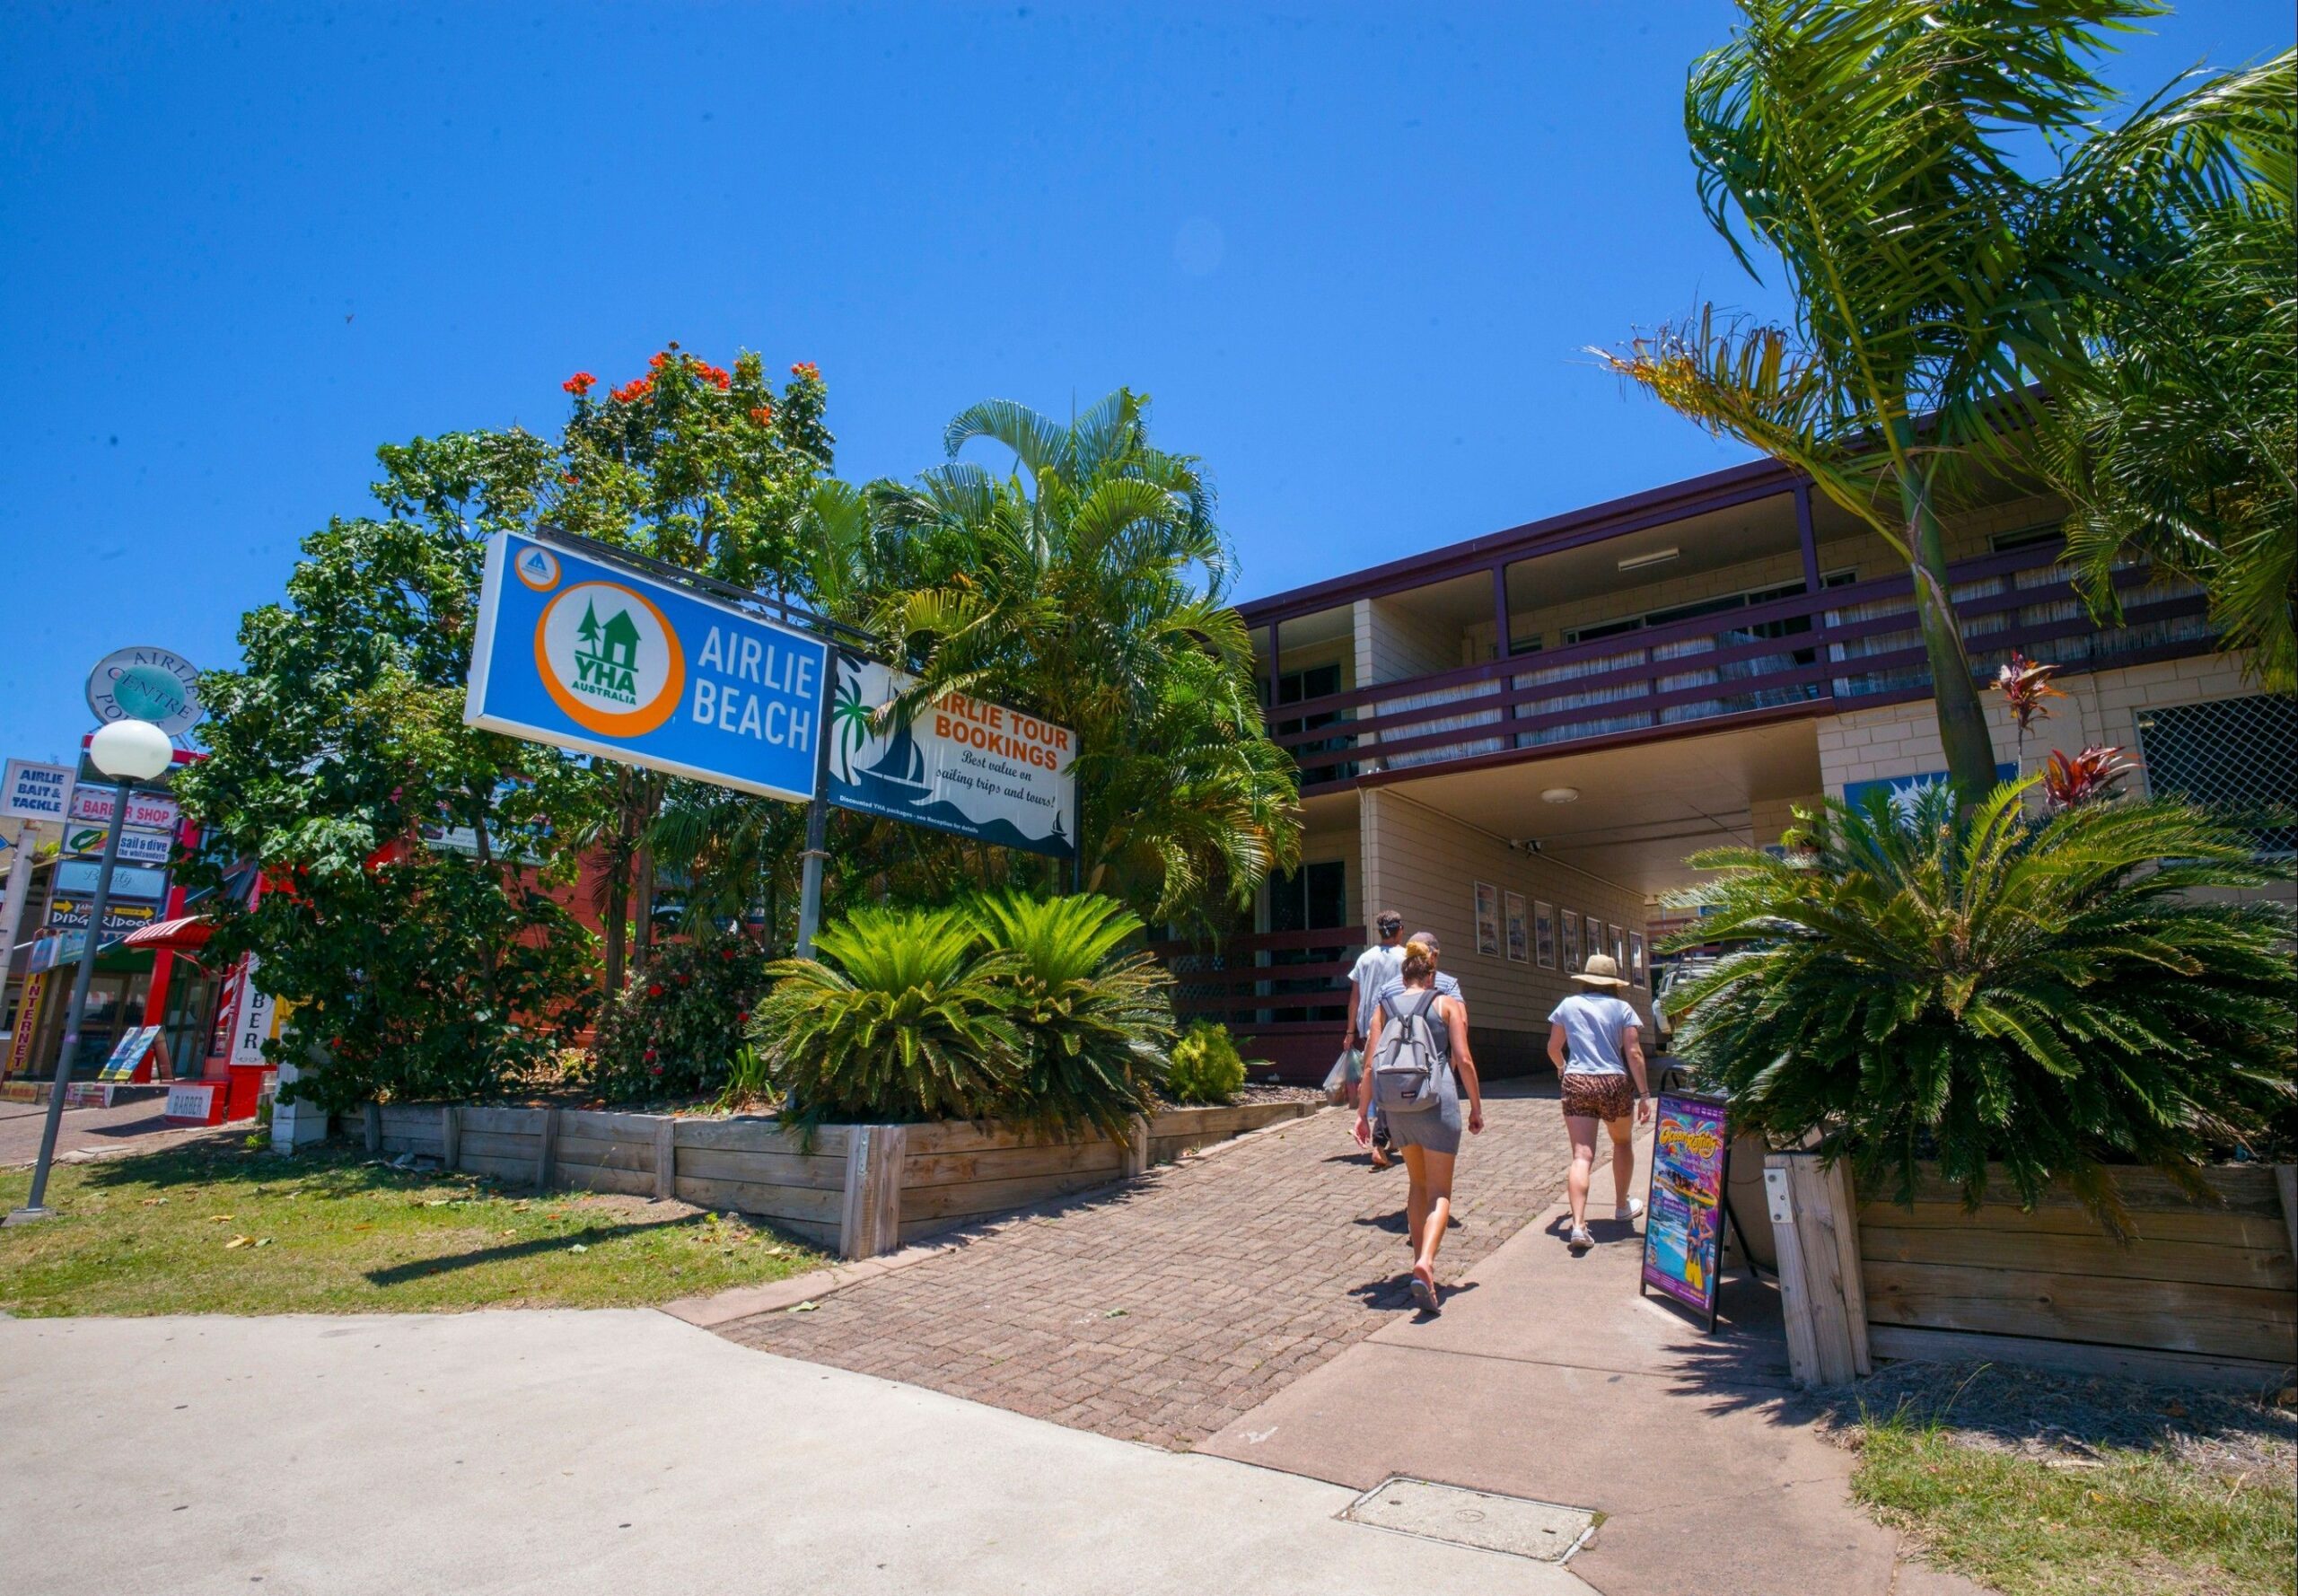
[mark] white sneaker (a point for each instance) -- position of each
(1631, 1209)
(1580, 1239)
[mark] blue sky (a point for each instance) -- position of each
(1353, 253)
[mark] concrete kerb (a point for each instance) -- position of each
(780, 1297)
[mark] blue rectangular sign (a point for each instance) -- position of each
(586, 656)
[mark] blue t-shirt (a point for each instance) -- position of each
(1592, 1028)
(1445, 984)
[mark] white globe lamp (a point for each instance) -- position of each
(131, 750)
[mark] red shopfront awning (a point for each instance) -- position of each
(186, 934)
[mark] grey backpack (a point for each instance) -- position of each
(1405, 1072)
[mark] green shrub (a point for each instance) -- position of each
(901, 1018)
(1207, 1067)
(1095, 1021)
(676, 1026)
(1022, 1011)
(2039, 991)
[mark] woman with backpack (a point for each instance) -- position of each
(1416, 1062)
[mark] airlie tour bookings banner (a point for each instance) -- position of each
(586, 656)
(1683, 1229)
(958, 765)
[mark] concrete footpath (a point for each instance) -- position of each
(613, 1452)
(1547, 1377)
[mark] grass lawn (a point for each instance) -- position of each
(210, 1228)
(2133, 1522)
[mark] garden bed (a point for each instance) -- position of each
(863, 1189)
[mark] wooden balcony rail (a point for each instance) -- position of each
(1791, 657)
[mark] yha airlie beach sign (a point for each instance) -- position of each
(958, 765)
(593, 657)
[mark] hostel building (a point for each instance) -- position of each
(1516, 739)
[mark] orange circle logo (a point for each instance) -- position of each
(538, 568)
(609, 659)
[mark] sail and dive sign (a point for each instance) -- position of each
(587, 655)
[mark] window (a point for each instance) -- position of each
(1313, 898)
(2238, 756)
(1720, 605)
(1295, 687)
(2025, 538)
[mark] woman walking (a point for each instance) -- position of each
(1595, 1045)
(1428, 1137)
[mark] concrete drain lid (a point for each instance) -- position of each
(1543, 1532)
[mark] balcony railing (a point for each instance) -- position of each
(1808, 654)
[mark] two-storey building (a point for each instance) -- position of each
(1515, 741)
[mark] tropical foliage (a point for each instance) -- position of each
(677, 1026)
(1089, 587)
(2178, 444)
(1024, 1011)
(901, 1017)
(1985, 986)
(1095, 1019)
(420, 969)
(1207, 1067)
(1874, 148)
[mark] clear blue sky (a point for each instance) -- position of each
(1353, 251)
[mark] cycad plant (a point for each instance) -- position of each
(901, 1018)
(1994, 988)
(1095, 1020)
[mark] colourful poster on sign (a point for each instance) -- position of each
(1683, 1220)
(958, 765)
(129, 1053)
(589, 656)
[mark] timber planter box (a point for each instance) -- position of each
(2212, 1284)
(860, 1190)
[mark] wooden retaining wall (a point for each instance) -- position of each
(860, 1190)
(2204, 1292)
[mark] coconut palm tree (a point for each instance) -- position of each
(1868, 145)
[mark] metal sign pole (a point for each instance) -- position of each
(34, 1208)
(809, 871)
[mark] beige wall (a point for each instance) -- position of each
(1425, 865)
(2099, 708)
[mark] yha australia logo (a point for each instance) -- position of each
(609, 659)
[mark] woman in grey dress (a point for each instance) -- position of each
(1431, 1138)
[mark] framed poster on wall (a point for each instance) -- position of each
(1637, 973)
(1544, 933)
(1619, 949)
(1488, 919)
(1571, 941)
(1519, 934)
(1592, 940)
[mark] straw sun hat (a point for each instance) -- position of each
(1602, 971)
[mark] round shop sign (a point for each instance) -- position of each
(147, 684)
(609, 659)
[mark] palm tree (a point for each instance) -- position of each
(1868, 145)
(1088, 586)
(2176, 445)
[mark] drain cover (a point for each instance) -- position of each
(1541, 1531)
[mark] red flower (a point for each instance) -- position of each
(569, 477)
(655, 990)
(659, 362)
(725, 952)
(762, 414)
(685, 980)
(579, 384)
(650, 1054)
(807, 370)
(655, 1070)
(744, 1018)
(638, 388)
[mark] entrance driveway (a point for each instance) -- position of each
(1161, 1311)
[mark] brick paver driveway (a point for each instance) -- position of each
(1161, 1311)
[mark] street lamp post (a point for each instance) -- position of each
(128, 751)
